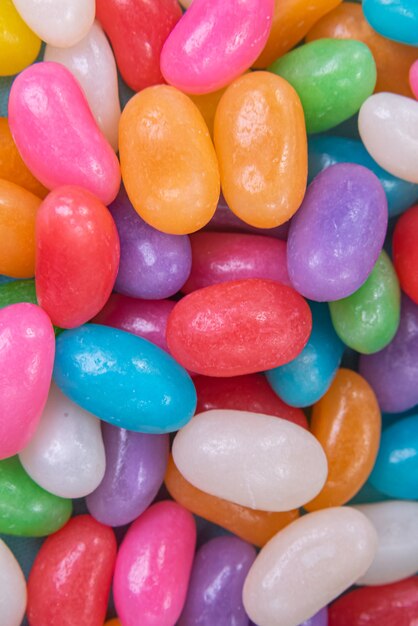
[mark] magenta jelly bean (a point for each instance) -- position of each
(57, 135)
(27, 347)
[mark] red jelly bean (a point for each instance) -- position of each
(137, 30)
(77, 256)
(238, 327)
(244, 393)
(405, 252)
(70, 579)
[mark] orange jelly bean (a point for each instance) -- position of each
(256, 527)
(12, 166)
(113, 622)
(169, 165)
(207, 104)
(18, 209)
(393, 60)
(260, 140)
(346, 422)
(292, 19)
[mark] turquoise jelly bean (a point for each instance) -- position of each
(304, 380)
(6, 279)
(325, 151)
(123, 379)
(394, 19)
(396, 469)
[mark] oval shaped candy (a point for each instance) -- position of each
(17, 291)
(258, 461)
(123, 379)
(393, 19)
(330, 549)
(413, 78)
(238, 327)
(12, 588)
(49, 115)
(135, 468)
(260, 121)
(153, 566)
(336, 236)
(214, 42)
(19, 46)
(405, 252)
(70, 579)
(169, 165)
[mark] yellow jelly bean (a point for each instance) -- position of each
(19, 46)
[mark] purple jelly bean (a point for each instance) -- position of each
(135, 468)
(319, 619)
(153, 265)
(393, 372)
(215, 590)
(337, 234)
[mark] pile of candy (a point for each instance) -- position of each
(166, 269)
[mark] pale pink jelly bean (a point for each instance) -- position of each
(57, 135)
(413, 78)
(153, 566)
(27, 348)
(214, 42)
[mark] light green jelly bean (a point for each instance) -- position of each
(333, 78)
(20, 291)
(27, 510)
(368, 319)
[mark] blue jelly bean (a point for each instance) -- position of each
(326, 150)
(394, 19)
(304, 380)
(123, 379)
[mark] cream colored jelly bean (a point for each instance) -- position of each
(12, 588)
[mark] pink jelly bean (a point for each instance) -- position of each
(27, 347)
(215, 42)
(413, 78)
(153, 566)
(57, 135)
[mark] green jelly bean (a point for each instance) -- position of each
(20, 291)
(368, 319)
(333, 78)
(27, 510)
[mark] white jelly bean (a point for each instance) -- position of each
(308, 564)
(255, 460)
(12, 589)
(66, 455)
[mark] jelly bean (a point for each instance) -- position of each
(137, 30)
(385, 119)
(244, 393)
(60, 23)
(16, 292)
(368, 320)
(12, 166)
(386, 605)
(396, 469)
(145, 318)
(329, 550)
(337, 235)
(66, 455)
(27, 357)
(92, 63)
(70, 580)
(19, 46)
(123, 379)
(405, 252)
(214, 42)
(113, 622)
(287, 467)
(169, 165)
(135, 468)
(219, 257)
(319, 619)
(394, 19)
(325, 151)
(238, 327)
(292, 19)
(332, 78)
(207, 104)
(18, 209)
(26, 510)
(216, 582)
(265, 182)
(152, 264)
(153, 566)
(252, 525)
(393, 372)
(346, 422)
(413, 78)
(77, 256)
(392, 59)
(12, 588)
(49, 116)
(304, 380)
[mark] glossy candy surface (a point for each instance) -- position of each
(405, 252)
(260, 121)
(12, 588)
(394, 19)
(19, 46)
